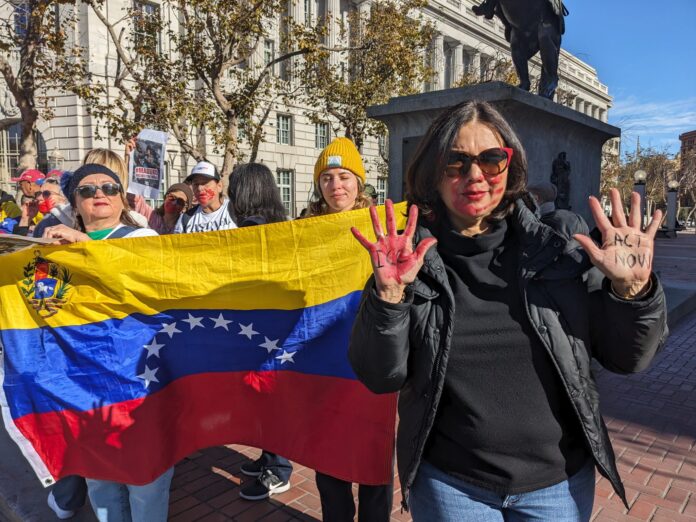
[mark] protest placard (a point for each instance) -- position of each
(146, 166)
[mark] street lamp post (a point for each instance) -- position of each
(639, 178)
(672, 193)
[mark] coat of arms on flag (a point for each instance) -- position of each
(45, 285)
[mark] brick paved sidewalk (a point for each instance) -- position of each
(652, 423)
(206, 488)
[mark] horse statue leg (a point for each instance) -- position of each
(550, 48)
(520, 46)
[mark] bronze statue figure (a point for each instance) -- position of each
(531, 26)
(560, 176)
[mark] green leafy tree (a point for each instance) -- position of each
(660, 167)
(37, 61)
(384, 58)
(215, 80)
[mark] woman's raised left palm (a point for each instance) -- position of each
(626, 254)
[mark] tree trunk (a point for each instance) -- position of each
(230, 157)
(27, 148)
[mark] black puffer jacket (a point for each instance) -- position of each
(405, 347)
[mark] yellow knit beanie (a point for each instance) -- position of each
(340, 153)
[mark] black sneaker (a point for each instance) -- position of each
(263, 487)
(252, 468)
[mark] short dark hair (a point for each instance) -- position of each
(427, 168)
(253, 192)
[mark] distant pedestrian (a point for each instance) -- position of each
(255, 200)
(339, 186)
(113, 161)
(96, 194)
(371, 192)
(211, 212)
(177, 199)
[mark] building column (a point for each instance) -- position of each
(333, 9)
(476, 64)
(296, 10)
(439, 62)
(457, 63)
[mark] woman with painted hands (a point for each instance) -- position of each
(339, 186)
(486, 320)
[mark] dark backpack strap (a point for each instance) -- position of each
(122, 232)
(186, 217)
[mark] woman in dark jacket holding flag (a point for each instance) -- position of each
(488, 336)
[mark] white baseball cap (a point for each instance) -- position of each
(203, 168)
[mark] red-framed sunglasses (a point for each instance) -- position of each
(490, 161)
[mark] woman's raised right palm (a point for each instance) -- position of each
(394, 261)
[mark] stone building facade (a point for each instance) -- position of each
(688, 142)
(464, 45)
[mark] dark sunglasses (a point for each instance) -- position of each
(490, 161)
(47, 194)
(89, 191)
(180, 202)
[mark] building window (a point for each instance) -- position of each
(146, 21)
(284, 129)
(286, 68)
(381, 190)
(321, 135)
(286, 186)
(268, 51)
(10, 140)
(21, 19)
(383, 146)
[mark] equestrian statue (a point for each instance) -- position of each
(531, 26)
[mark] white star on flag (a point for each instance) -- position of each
(285, 357)
(247, 330)
(169, 329)
(194, 321)
(153, 348)
(220, 322)
(269, 345)
(148, 376)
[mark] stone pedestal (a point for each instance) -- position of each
(544, 128)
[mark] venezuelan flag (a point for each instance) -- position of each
(123, 356)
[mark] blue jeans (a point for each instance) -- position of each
(435, 495)
(115, 502)
(279, 466)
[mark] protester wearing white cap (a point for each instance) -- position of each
(211, 213)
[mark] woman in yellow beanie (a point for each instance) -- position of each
(339, 180)
(339, 186)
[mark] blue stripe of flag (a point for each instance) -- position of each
(87, 366)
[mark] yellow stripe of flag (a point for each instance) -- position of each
(283, 266)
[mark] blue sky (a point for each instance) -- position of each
(645, 52)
